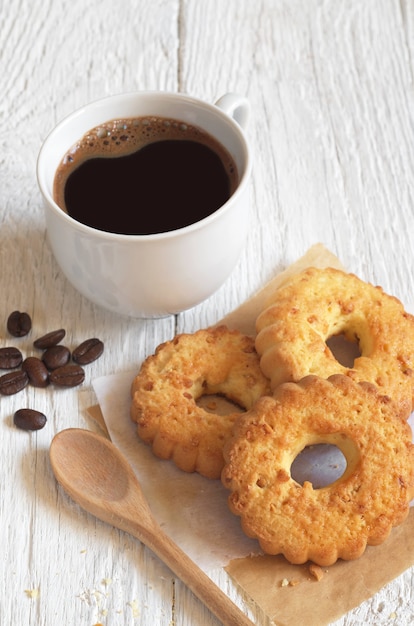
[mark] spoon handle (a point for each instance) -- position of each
(199, 583)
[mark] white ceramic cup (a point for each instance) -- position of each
(150, 276)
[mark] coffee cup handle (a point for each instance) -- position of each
(236, 106)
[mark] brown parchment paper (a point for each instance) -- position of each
(96, 414)
(343, 586)
(285, 592)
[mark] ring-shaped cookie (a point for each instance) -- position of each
(169, 383)
(338, 520)
(320, 303)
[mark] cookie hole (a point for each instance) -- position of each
(321, 464)
(219, 405)
(343, 349)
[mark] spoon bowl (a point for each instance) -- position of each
(92, 478)
(98, 477)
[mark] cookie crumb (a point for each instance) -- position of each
(32, 593)
(289, 583)
(316, 571)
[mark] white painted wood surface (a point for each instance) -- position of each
(331, 88)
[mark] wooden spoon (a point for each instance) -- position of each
(97, 476)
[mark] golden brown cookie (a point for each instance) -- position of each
(166, 390)
(336, 521)
(320, 303)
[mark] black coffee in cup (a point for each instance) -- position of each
(144, 175)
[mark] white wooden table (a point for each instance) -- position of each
(331, 88)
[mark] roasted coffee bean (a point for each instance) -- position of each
(13, 382)
(19, 324)
(50, 339)
(37, 371)
(56, 356)
(29, 419)
(69, 375)
(10, 358)
(88, 351)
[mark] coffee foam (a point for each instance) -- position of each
(120, 137)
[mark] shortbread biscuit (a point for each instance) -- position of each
(337, 521)
(166, 390)
(320, 303)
